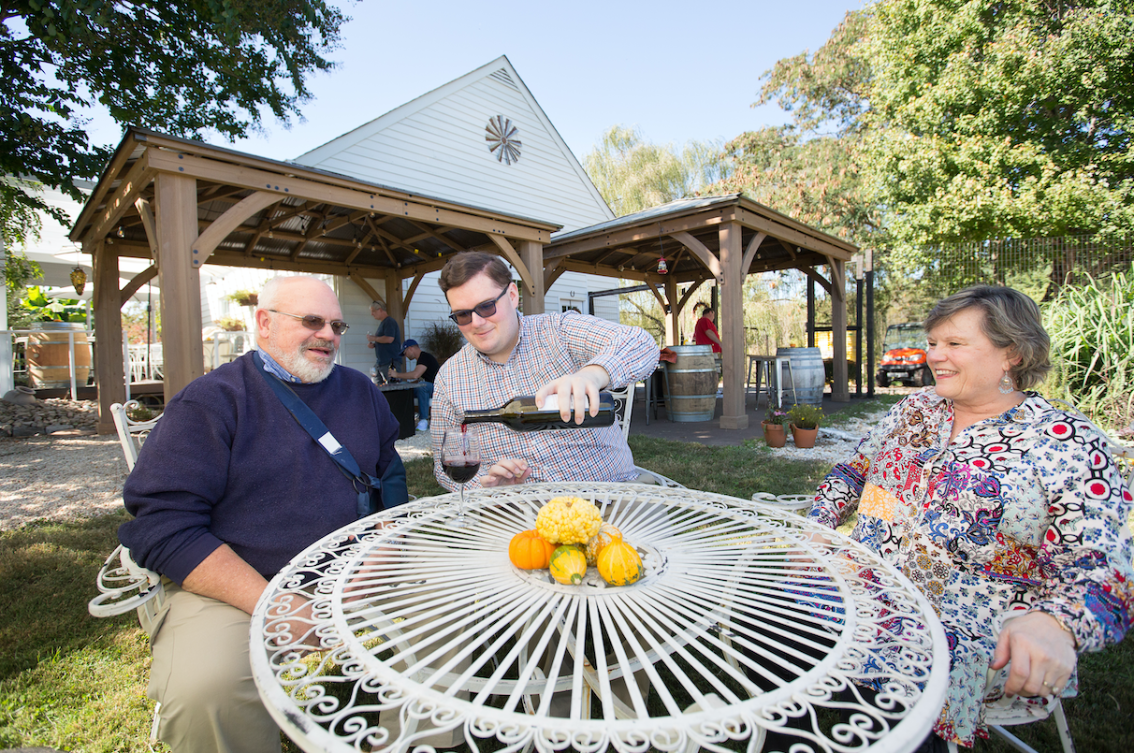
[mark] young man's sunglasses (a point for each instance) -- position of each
(338, 326)
(483, 310)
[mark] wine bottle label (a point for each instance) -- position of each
(551, 402)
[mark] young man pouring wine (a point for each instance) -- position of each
(569, 356)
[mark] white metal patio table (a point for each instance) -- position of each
(748, 629)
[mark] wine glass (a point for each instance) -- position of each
(460, 459)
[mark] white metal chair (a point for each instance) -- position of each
(623, 408)
(796, 502)
(122, 583)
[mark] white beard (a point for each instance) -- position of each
(310, 372)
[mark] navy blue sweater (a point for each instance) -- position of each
(227, 463)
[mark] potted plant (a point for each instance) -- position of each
(774, 431)
(805, 420)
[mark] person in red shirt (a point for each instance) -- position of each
(705, 331)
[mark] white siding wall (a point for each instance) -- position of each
(439, 149)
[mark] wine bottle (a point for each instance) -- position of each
(522, 414)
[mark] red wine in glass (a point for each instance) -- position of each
(461, 472)
(460, 459)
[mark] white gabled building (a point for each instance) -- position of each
(481, 140)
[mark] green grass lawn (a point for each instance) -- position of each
(72, 682)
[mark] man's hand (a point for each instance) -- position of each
(506, 472)
(578, 392)
(1041, 652)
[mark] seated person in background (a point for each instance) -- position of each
(426, 371)
(227, 489)
(1007, 512)
(571, 355)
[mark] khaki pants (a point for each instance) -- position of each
(202, 677)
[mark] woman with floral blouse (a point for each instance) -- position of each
(1009, 513)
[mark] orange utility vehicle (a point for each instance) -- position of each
(903, 356)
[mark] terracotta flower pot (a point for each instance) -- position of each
(804, 437)
(774, 434)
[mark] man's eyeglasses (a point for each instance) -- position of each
(310, 321)
(483, 310)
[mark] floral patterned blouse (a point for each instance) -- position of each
(1024, 511)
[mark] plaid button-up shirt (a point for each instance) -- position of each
(550, 346)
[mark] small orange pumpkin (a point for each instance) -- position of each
(528, 551)
(619, 564)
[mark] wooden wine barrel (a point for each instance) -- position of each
(806, 373)
(691, 384)
(48, 355)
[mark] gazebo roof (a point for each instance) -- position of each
(307, 220)
(630, 246)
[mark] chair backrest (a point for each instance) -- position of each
(624, 406)
(131, 433)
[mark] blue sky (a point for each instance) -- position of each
(675, 70)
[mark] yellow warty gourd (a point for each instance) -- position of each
(568, 520)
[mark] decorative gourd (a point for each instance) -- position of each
(619, 564)
(606, 534)
(568, 565)
(568, 520)
(528, 551)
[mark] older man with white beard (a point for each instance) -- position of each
(228, 488)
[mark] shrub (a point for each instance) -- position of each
(442, 340)
(806, 416)
(1092, 349)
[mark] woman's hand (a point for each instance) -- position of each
(1041, 652)
(507, 471)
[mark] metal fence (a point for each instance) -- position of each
(1037, 266)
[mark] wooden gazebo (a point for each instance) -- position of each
(721, 238)
(183, 203)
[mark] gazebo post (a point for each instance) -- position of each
(531, 253)
(180, 281)
(395, 305)
(840, 387)
(110, 372)
(730, 282)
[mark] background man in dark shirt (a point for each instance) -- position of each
(426, 371)
(386, 340)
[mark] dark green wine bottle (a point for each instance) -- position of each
(522, 414)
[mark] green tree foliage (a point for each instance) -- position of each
(633, 175)
(1006, 119)
(810, 168)
(183, 67)
(18, 269)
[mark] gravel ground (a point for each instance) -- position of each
(67, 475)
